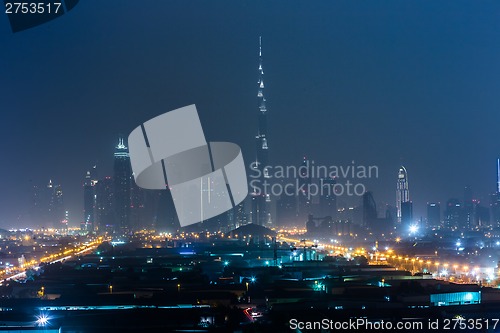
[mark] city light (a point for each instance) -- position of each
(42, 320)
(413, 229)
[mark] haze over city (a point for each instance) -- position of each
(385, 84)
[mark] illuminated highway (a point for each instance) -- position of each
(458, 272)
(19, 272)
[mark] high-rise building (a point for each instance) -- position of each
(47, 206)
(453, 218)
(377, 226)
(495, 200)
(468, 209)
(89, 198)
(498, 175)
(433, 214)
(286, 210)
(304, 196)
(328, 199)
(260, 199)
(56, 206)
(369, 209)
(406, 216)
(138, 217)
(122, 176)
(105, 216)
(402, 192)
(236, 217)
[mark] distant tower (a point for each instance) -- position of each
(498, 175)
(260, 200)
(304, 199)
(56, 205)
(369, 210)
(402, 193)
(105, 216)
(122, 175)
(328, 199)
(433, 214)
(495, 199)
(88, 204)
(468, 209)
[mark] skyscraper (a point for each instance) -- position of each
(260, 199)
(406, 216)
(328, 199)
(104, 205)
(495, 199)
(498, 175)
(371, 221)
(402, 192)
(453, 218)
(122, 175)
(88, 204)
(469, 216)
(433, 214)
(304, 196)
(56, 205)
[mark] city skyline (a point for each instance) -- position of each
(339, 96)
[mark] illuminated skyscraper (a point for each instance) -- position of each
(495, 199)
(105, 216)
(328, 199)
(56, 205)
(88, 204)
(261, 200)
(304, 196)
(122, 175)
(498, 175)
(402, 192)
(433, 214)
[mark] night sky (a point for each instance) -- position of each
(378, 82)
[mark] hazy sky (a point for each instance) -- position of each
(378, 82)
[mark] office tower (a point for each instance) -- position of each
(402, 192)
(453, 218)
(48, 203)
(286, 210)
(495, 200)
(36, 206)
(241, 215)
(304, 197)
(236, 216)
(57, 211)
(261, 200)
(65, 222)
(88, 204)
(377, 226)
(468, 209)
(406, 216)
(138, 219)
(122, 175)
(433, 214)
(369, 209)
(166, 216)
(105, 216)
(482, 217)
(328, 199)
(498, 175)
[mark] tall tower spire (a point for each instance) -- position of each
(260, 199)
